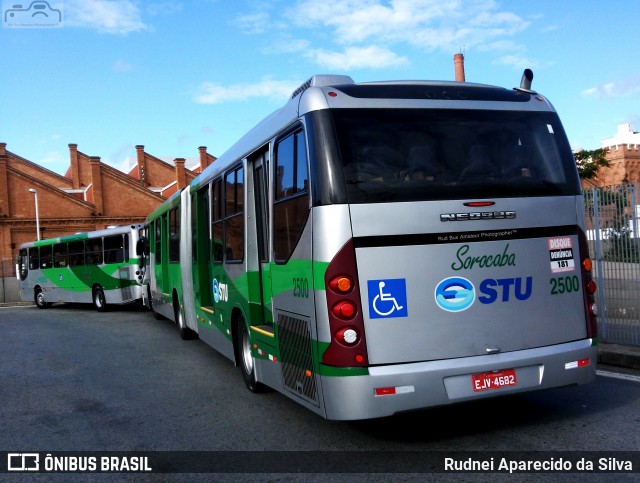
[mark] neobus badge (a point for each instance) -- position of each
(478, 215)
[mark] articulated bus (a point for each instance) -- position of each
(99, 267)
(375, 248)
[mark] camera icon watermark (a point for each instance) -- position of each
(34, 14)
(23, 462)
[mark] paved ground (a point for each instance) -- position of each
(618, 355)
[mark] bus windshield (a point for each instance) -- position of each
(433, 154)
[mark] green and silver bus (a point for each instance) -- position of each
(375, 248)
(99, 267)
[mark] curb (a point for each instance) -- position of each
(619, 355)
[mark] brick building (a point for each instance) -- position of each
(623, 154)
(90, 196)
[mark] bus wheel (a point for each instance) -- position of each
(41, 303)
(156, 315)
(99, 301)
(247, 363)
(185, 332)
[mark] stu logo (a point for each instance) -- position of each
(455, 294)
(491, 289)
(220, 291)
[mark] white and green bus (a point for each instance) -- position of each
(99, 267)
(382, 247)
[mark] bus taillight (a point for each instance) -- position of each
(347, 347)
(344, 310)
(348, 335)
(341, 284)
(589, 286)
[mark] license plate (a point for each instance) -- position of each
(487, 381)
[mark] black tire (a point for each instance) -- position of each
(99, 302)
(247, 363)
(156, 315)
(185, 332)
(38, 298)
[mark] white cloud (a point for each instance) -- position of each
(348, 33)
(629, 86)
(357, 58)
(517, 60)
(164, 8)
(108, 16)
(122, 66)
(52, 157)
(286, 46)
(214, 93)
(254, 23)
(429, 24)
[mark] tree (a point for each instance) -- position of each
(589, 162)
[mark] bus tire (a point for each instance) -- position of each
(99, 302)
(185, 332)
(38, 297)
(247, 363)
(156, 315)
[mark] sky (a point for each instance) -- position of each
(176, 75)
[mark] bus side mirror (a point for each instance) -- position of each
(142, 247)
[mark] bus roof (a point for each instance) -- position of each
(114, 230)
(319, 92)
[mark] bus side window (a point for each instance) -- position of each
(291, 204)
(234, 221)
(94, 252)
(34, 258)
(216, 221)
(113, 249)
(23, 263)
(45, 256)
(174, 235)
(60, 255)
(76, 254)
(158, 240)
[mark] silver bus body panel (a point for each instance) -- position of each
(317, 98)
(186, 269)
(424, 217)
(436, 383)
(333, 219)
(509, 277)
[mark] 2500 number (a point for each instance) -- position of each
(562, 285)
(301, 287)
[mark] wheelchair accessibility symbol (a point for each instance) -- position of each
(387, 298)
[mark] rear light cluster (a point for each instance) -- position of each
(347, 347)
(589, 285)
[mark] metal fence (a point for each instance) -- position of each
(613, 219)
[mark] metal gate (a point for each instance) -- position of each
(613, 219)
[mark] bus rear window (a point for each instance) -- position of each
(412, 155)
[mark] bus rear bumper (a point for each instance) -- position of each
(390, 389)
